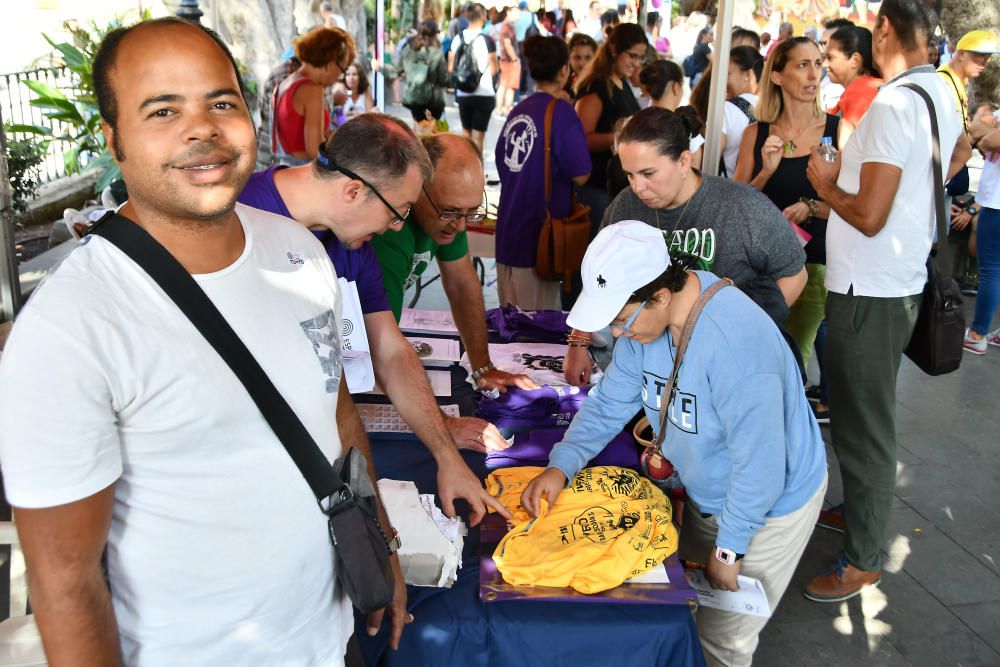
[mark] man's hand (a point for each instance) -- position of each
(797, 212)
(548, 484)
(720, 575)
(822, 174)
(397, 609)
(477, 435)
(455, 480)
(500, 380)
(960, 218)
(577, 366)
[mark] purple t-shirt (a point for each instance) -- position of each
(520, 160)
(359, 265)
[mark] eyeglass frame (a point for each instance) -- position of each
(481, 213)
(626, 328)
(324, 160)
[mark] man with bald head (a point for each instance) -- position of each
(435, 228)
(128, 443)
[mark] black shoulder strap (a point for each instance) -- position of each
(743, 105)
(831, 129)
(944, 257)
(763, 130)
(184, 291)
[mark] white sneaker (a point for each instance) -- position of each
(974, 345)
(993, 338)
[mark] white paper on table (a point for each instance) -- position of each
(436, 351)
(440, 384)
(427, 321)
(750, 599)
(656, 575)
(354, 340)
(451, 527)
(542, 362)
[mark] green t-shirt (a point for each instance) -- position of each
(405, 254)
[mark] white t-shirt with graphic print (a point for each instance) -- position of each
(217, 553)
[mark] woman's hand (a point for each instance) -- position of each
(771, 153)
(577, 366)
(548, 484)
(720, 575)
(797, 213)
(960, 218)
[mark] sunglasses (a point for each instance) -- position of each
(454, 216)
(326, 162)
(626, 328)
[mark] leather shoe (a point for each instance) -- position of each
(841, 582)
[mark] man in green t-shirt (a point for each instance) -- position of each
(435, 227)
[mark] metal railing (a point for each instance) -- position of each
(15, 104)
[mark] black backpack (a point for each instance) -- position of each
(466, 74)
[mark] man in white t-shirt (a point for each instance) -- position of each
(475, 108)
(877, 242)
(126, 434)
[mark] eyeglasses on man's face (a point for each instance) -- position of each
(327, 163)
(626, 329)
(451, 215)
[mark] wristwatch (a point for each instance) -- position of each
(727, 556)
(971, 209)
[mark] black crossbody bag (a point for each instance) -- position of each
(936, 343)
(343, 491)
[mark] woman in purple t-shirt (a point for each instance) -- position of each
(520, 159)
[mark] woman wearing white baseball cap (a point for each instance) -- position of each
(739, 430)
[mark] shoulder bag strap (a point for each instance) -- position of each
(944, 257)
(547, 140)
(671, 389)
(184, 291)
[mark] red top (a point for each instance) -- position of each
(856, 99)
(290, 124)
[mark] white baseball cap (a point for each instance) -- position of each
(622, 258)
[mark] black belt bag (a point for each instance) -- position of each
(344, 490)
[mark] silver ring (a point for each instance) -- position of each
(479, 437)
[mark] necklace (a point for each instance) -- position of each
(656, 212)
(789, 146)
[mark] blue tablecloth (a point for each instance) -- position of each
(452, 628)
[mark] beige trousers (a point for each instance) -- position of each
(728, 638)
(521, 287)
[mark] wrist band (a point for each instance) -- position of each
(480, 372)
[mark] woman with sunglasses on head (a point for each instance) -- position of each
(299, 110)
(520, 160)
(603, 97)
(774, 155)
(738, 428)
(732, 230)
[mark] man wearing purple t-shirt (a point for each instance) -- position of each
(362, 183)
(520, 160)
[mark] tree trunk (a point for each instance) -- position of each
(959, 17)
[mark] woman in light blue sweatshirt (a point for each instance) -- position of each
(740, 432)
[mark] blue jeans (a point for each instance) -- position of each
(988, 251)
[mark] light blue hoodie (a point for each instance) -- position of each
(740, 433)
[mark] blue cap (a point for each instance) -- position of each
(523, 4)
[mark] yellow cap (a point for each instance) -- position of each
(979, 41)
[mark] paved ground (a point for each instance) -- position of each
(939, 602)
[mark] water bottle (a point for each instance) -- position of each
(827, 150)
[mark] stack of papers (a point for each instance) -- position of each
(427, 321)
(436, 352)
(750, 599)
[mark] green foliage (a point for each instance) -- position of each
(24, 157)
(76, 106)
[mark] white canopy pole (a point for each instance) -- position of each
(717, 93)
(380, 54)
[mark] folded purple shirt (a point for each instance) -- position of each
(522, 410)
(514, 324)
(533, 448)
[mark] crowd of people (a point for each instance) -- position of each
(120, 419)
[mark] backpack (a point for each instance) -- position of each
(466, 74)
(689, 67)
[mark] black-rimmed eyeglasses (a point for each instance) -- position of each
(326, 162)
(454, 216)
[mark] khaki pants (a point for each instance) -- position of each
(728, 638)
(521, 287)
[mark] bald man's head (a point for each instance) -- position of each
(454, 146)
(107, 53)
(457, 185)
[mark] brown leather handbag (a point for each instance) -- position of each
(563, 241)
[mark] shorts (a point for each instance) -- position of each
(510, 74)
(475, 111)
